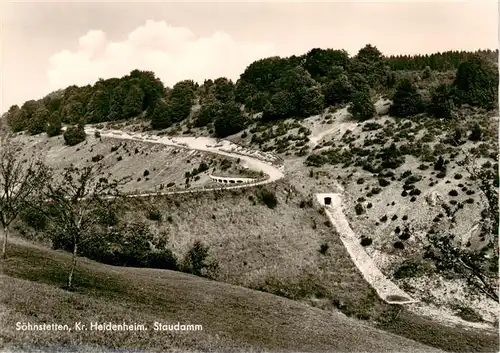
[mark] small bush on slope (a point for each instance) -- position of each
(268, 198)
(74, 135)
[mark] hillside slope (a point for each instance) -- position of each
(233, 318)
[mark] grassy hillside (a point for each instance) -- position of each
(151, 167)
(233, 318)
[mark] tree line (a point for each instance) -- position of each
(271, 89)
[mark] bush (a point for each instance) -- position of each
(34, 219)
(97, 134)
(366, 241)
(323, 249)
(268, 198)
(399, 245)
(469, 314)
(453, 193)
(163, 259)
(97, 158)
(154, 214)
(476, 133)
(146, 173)
(74, 135)
(407, 270)
(359, 209)
(383, 182)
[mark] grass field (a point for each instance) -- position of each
(272, 250)
(233, 318)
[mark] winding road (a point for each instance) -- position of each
(385, 288)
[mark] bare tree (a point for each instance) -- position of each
(76, 204)
(20, 180)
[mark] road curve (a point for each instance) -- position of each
(204, 144)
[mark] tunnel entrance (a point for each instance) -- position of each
(328, 200)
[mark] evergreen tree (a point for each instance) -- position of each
(406, 101)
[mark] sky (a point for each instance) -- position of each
(47, 46)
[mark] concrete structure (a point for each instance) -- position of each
(232, 180)
(386, 289)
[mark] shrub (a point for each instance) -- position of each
(360, 181)
(399, 245)
(97, 134)
(383, 182)
(154, 214)
(469, 314)
(146, 173)
(458, 176)
(97, 158)
(170, 184)
(359, 209)
(268, 198)
(163, 259)
(405, 234)
(74, 135)
(323, 248)
(453, 193)
(366, 241)
(407, 270)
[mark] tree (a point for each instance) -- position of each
(318, 62)
(15, 119)
(406, 101)
(208, 112)
(257, 102)
(160, 118)
(54, 125)
(310, 101)
(442, 101)
(338, 91)
(133, 102)
(477, 83)
(361, 107)
(230, 120)
(153, 88)
(370, 63)
(76, 202)
(19, 183)
(224, 90)
(281, 106)
(38, 122)
(98, 106)
(181, 101)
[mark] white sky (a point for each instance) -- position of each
(47, 46)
